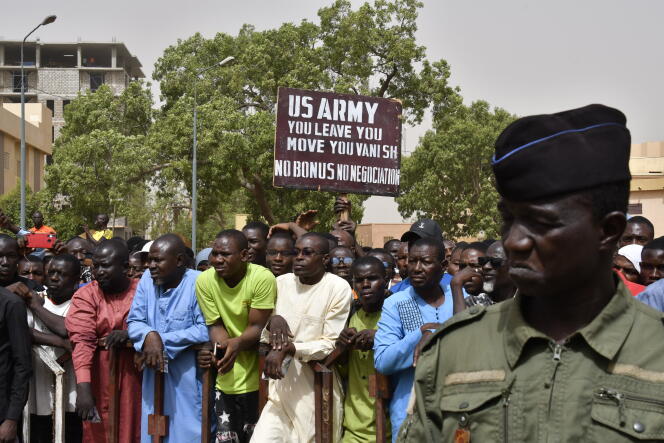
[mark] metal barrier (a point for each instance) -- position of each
(58, 407)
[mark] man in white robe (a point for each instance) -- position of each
(311, 311)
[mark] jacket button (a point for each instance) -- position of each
(463, 405)
(638, 427)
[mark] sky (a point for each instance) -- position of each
(525, 56)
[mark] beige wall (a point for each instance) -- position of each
(376, 234)
(653, 207)
(38, 144)
(647, 188)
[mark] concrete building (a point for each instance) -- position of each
(647, 188)
(375, 235)
(37, 142)
(56, 72)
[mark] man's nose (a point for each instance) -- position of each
(517, 240)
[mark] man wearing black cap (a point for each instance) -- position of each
(572, 357)
(423, 228)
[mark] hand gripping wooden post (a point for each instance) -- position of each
(209, 377)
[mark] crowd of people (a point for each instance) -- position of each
(136, 310)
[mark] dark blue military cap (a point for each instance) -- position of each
(546, 155)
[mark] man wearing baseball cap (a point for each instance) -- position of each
(423, 228)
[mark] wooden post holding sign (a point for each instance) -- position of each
(337, 142)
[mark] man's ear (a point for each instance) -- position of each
(244, 255)
(612, 228)
(180, 260)
(326, 260)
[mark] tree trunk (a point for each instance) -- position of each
(259, 194)
(256, 188)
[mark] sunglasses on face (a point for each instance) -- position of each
(274, 253)
(472, 265)
(496, 262)
(345, 260)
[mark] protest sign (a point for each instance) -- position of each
(337, 142)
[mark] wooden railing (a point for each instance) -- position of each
(323, 398)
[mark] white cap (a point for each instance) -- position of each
(146, 247)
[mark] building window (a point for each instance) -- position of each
(96, 80)
(16, 81)
(50, 104)
(635, 208)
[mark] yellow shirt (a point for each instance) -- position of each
(97, 235)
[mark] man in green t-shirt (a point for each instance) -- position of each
(370, 283)
(237, 298)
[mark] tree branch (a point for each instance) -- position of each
(386, 82)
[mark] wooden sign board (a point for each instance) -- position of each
(337, 142)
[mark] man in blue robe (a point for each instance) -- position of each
(164, 322)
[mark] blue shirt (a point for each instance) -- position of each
(653, 295)
(175, 315)
(405, 283)
(395, 340)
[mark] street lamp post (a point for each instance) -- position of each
(194, 164)
(46, 21)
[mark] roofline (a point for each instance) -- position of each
(133, 58)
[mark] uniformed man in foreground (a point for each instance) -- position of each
(573, 357)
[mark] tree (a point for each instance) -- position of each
(10, 205)
(100, 163)
(371, 50)
(453, 163)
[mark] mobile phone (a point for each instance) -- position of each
(40, 240)
(218, 352)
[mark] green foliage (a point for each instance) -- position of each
(100, 163)
(453, 163)
(371, 50)
(119, 155)
(10, 204)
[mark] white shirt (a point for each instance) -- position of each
(42, 385)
